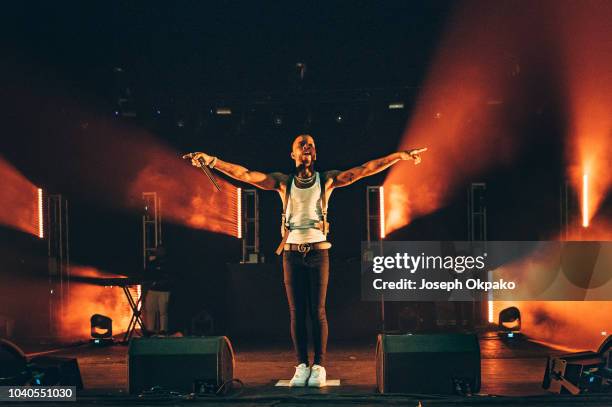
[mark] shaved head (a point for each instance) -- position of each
(302, 138)
(303, 150)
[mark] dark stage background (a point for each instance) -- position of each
(179, 62)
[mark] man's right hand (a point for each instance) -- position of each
(195, 158)
(274, 181)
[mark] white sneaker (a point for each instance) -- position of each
(318, 377)
(302, 372)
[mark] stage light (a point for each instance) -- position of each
(381, 196)
(490, 311)
(41, 231)
(278, 120)
(396, 105)
(223, 111)
(585, 201)
(579, 372)
(101, 328)
(509, 320)
(239, 212)
(339, 118)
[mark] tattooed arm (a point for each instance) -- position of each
(337, 179)
(274, 181)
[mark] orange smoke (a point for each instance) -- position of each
(91, 272)
(85, 300)
(568, 324)
(599, 229)
(584, 33)
(20, 201)
(187, 196)
(572, 324)
(113, 162)
(455, 117)
(582, 37)
(144, 164)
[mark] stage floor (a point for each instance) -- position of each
(512, 369)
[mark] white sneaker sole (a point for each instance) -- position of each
(317, 384)
(297, 384)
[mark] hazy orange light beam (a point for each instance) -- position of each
(187, 196)
(20, 206)
(111, 161)
(458, 114)
(585, 201)
(582, 35)
(41, 226)
(583, 32)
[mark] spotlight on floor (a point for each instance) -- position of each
(509, 324)
(101, 330)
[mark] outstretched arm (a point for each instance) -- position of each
(344, 178)
(272, 181)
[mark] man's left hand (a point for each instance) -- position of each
(414, 154)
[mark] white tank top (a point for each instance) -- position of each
(303, 212)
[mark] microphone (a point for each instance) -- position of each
(205, 169)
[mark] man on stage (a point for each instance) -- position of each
(305, 249)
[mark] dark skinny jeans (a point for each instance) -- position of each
(306, 276)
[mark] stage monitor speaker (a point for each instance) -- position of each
(185, 365)
(428, 364)
(55, 371)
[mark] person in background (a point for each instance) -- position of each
(158, 295)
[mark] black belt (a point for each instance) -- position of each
(306, 247)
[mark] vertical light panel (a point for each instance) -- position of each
(490, 311)
(381, 196)
(41, 229)
(139, 296)
(239, 212)
(585, 200)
